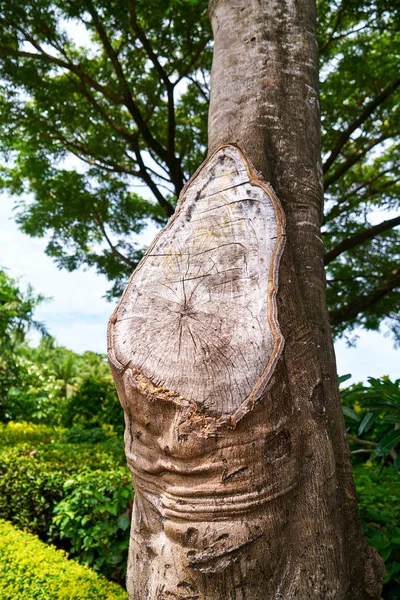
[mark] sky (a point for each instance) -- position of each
(77, 313)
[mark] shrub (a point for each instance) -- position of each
(31, 570)
(95, 516)
(16, 433)
(372, 415)
(41, 472)
(95, 403)
(32, 477)
(379, 501)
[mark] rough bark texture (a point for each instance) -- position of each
(235, 438)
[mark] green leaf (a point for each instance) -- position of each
(351, 414)
(387, 443)
(123, 522)
(367, 422)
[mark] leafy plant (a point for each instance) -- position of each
(35, 464)
(16, 319)
(94, 403)
(373, 410)
(379, 501)
(94, 516)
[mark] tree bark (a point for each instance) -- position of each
(222, 353)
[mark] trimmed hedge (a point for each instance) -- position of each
(33, 571)
(29, 433)
(35, 473)
(76, 496)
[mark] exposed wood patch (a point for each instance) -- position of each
(198, 320)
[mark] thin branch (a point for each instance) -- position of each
(366, 302)
(352, 160)
(113, 248)
(131, 138)
(167, 207)
(339, 15)
(201, 47)
(128, 98)
(350, 32)
(174, 163)
(362, 442)
(360, 238)
(41, 55)
(366, 113)
(335, 210)
(392, 453)
(77, 149)
(201, 91)
(136, 28)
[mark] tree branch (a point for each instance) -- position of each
(128, 99)
(69, 66)
(392, 453)
(131, 138)
(347, 164)
(335, 210)
(349, 312)
(83, 153)
(362, 442)
(339, 15)
(168, 208)
(360, 238)
(366, 113)
(194, 59)
(174, 163)
(113, 248)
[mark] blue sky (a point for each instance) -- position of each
(77, 315)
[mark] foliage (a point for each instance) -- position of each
(12, 434)
(379, 501)
(100, 98)
(93, 404)
(50, 383)
(373, 411)
(360, 135)
(35, 462)
(371, 415)
(16, 312)
(94, 516)
(32, 570)
(74, 495)
(17, 376)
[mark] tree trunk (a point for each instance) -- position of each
(222, 352)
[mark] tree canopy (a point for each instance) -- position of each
(100, 98)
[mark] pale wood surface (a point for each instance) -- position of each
(198, 316)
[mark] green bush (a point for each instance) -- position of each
(29, 489)
(18, 433)
(372, 416)
(95, 516)
(91, 481)
(94, 404)
(34, 473)
(379, 501)
(30, 570)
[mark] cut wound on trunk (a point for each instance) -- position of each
(210, 278)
